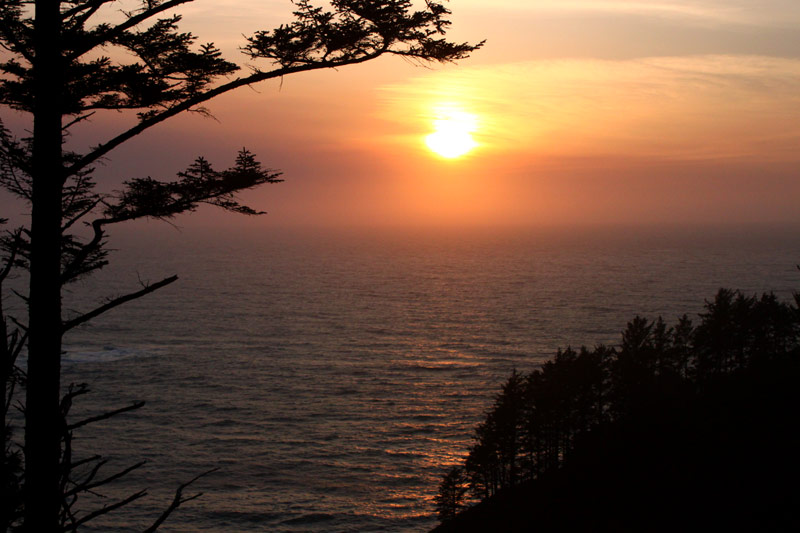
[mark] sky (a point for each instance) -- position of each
(584, 112)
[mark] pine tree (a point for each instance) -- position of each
(57, 66)
(450, 499)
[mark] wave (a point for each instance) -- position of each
(106, 354)
(442, 366)
(310, 518)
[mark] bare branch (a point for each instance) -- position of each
(72, 393)
(91, 6)
(85, 461)
(87, 480)
(177, 501)
(16, 322)
(79, 118)
(88, 485)
(104, 510)
(88, 209)
(17, 348)
(116, 302)
(16, 241)
(104, 416)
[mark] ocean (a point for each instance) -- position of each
(332, 376)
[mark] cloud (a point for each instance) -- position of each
(674, 107)
(783, 13)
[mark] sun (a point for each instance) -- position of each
(452, 135)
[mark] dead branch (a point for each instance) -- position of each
(104, 510)
(89, 485)
(177, 501)
(116, 302)
(104, 416)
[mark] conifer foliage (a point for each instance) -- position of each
(62, 62)
(663, 388)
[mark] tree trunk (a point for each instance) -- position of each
(42, 417)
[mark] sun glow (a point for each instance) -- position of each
(453, 129)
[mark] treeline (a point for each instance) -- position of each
(659, 376)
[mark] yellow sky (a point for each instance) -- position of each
(585, 112)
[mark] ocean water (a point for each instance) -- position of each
(332, 376)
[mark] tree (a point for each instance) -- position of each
(11, 345)
(668, 410)
(450, 499)
(57, 66)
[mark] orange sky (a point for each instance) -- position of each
(587, 112)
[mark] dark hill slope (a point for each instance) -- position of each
(721, 455)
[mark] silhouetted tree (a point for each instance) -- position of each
(57, 66)
(507, 415)
(685, 378)
(450, 498)
(494, 460)
(481, 464)
(11, 344)
(679, 355)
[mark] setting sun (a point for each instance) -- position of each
(452, 136)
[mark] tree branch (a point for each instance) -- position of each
(16, 322)
(16, 45)
(18, 346)
(120, 28)
(104, 510)
(80, 118)
(104, 416)
(88, 485)
(86, 250)
(116, 302)
(92, 5)
(87, 480)
(256, 77)
(177, 501)
(85, 211)
(16, 236)
(85, 461)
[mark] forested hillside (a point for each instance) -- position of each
(682, 427)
